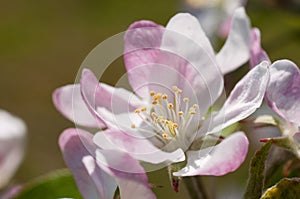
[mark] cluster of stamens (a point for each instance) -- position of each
(167, 119)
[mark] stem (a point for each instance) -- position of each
(195, 187)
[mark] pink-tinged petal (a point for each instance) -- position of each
(137, 145)
(12, 145)
(244, 99)
(97, 171)
(221, 159)
(189, 27)
(141, 48)
(105, 184)
(115, 100)
(257, 54)
(190, 54)
(283, 92)
(235, 51)
(69, 102)
(224, 27)
(76, 144)
(129, 174)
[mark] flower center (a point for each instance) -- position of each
(167, 120)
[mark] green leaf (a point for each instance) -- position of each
(286, 188)
(256, 177)
(58, 184)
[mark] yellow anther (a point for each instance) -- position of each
(152, 93)
(170, 105)
(186, 100)
(137, 111)
(179, 91)
(143, 109)
(195, 106)
(157, 97)
(180, 113)
(133, 126)
(175, 88)
(153, 115)
(154, 102)
(167, 121)
(164, 96)
(192, 112)
(165, 136)
(175, 125)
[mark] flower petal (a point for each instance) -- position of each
(99, 178)
(76, 144)
(131, 178)
(115, 100)
(235, 51)
(197, 69)
(137, 145)
(283, 92)
(69, 102)
(244, 99)
(12, 145)
(257, 53)
(223, 158)
(142, 42)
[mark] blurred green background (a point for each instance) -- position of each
(44, 42)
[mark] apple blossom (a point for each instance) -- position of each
(282, 94)
(175, 76)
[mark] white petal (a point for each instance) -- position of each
(69, 102)
(283, 92)
(218, 160)
(244, 99)
(185, 38)
(137, 146)
(12, 145)
(236, 50)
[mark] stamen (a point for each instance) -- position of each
(164, 96)
(171, 129)
(186, 100)
(167, 119)
(175, 125)
(170, 105)
(175, 88)
(152, 93)
(165, 136)
(192, 112)
(154, 102)
(179, 91)
(195, 106)
(153, 115)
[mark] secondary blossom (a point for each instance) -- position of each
(282, 94)
(12, 145)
